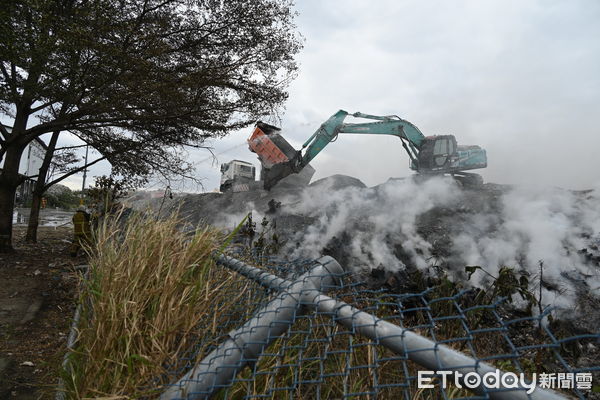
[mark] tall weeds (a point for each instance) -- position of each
(148, 288)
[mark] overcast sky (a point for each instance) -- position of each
(519, 78)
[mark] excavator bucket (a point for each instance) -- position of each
(284, 176)
(278, 158)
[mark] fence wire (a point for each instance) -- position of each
(309, 352)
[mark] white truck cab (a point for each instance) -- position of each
(236, 175)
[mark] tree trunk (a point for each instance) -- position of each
(9, 181)
(7, 203)
(39, 190)
(34, 215)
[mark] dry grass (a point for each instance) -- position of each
(147, 291)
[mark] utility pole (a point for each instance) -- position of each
(84, 173)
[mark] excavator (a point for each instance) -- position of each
(429, 155)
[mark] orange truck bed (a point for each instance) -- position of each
(273, 152)
(269, 145)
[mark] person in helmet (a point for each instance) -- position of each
(81, 230)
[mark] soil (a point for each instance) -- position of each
(37, 302)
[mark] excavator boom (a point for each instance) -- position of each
(410, 135)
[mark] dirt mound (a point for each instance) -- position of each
(338, 182)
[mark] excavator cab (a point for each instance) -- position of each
(442, 155)
(437, 153)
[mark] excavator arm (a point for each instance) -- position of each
(410, 135)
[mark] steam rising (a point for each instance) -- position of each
(378, 219)
(437, 223)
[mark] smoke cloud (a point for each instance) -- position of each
(432, 225)
(437, 223)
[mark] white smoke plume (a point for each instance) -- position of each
(375, 216)
(518, 227)
(435, 222)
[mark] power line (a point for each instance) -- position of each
(212, 157)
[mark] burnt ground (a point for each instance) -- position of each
(37, 300)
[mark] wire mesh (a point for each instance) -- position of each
(308, 353)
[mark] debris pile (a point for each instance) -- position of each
(434, 225)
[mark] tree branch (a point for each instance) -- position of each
(41, 107)
(5, 133)
(73, 172)
(9, 80)
(71, 147)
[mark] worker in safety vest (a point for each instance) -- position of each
(81, 229)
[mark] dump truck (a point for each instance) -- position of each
(237, 176)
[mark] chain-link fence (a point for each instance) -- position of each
(309, 330)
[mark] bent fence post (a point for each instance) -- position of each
(72, 339)
(245, 344)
